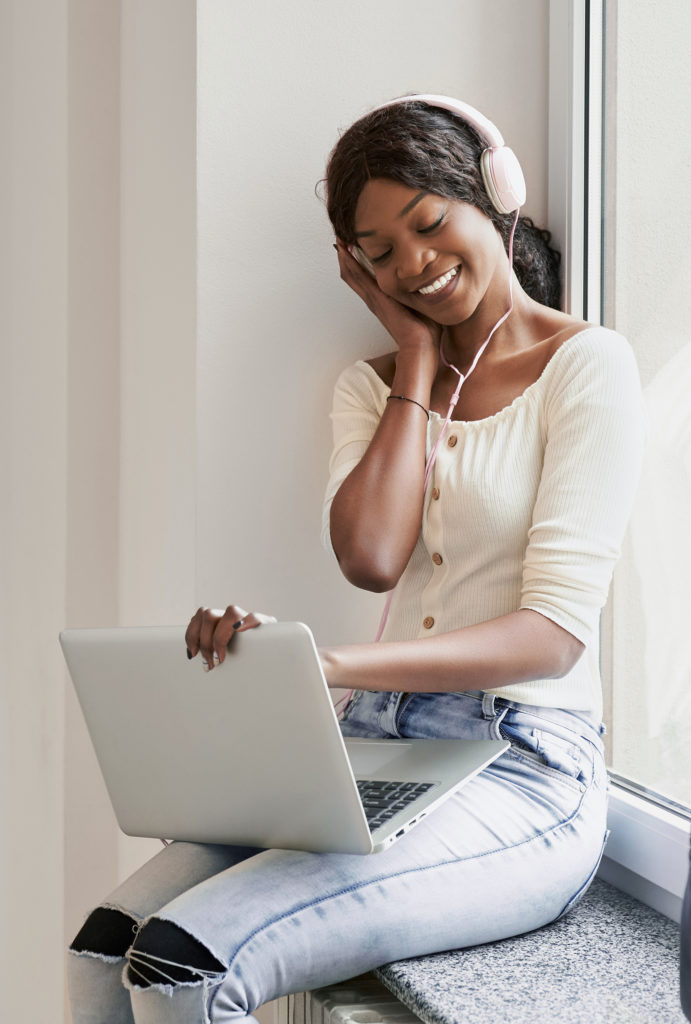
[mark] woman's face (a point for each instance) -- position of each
(440, 257)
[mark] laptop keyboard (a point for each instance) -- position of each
(381, 799)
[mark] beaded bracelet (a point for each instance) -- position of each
(403, 398)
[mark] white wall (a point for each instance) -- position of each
(158, 326)
(33, 470)
(97, 434)
(139, 475)
(91, 539)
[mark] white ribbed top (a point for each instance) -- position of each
(532, 505)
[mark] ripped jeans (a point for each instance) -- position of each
(206, 934)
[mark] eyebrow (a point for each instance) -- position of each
(406, 209)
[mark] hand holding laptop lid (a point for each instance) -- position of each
(211, 630)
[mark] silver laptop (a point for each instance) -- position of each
(250, 753)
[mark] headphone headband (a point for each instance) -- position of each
(501, 171)
(484, 127)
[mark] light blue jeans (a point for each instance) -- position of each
(511, 851)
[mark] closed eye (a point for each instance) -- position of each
(437, 224)
(421, 231)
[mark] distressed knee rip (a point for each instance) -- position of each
(106, 934)
(165, 955)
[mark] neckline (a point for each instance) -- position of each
(438, 418)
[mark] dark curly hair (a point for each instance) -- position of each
(432, 150)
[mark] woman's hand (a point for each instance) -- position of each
(407, 328)
(211, 631)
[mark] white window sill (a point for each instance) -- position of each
(648, 851)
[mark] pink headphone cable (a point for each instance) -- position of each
(343, 702)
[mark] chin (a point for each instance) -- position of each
(446, 317)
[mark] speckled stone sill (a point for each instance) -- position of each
(612, 960)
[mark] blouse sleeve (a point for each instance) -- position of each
(594, 426)
(358, 404)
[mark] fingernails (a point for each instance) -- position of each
(237, 624)
(217, 657)
(206, 666)
(189, 654)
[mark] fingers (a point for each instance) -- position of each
(405, 325)
(253, 620)
(216, 633)
(210, 631)
(192, 633)
(352, 272)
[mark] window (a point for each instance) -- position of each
(646, 294)
(619, 142)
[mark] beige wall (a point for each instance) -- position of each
(139, 475)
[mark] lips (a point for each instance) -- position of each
(441, 287)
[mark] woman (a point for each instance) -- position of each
(500, 561)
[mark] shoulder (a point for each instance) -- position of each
(593, 352)
(359, 385)
(592, 379)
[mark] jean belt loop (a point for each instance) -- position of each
(488, 711)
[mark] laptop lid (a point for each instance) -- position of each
(250, 753)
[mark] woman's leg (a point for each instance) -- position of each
(509, 852)
(97, 955)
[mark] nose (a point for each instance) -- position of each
(413, 259)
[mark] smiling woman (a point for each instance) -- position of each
(497, 515)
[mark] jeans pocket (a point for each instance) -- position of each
(558, 753)
(548, 753)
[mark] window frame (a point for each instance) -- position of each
(648, 850)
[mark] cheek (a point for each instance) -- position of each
(386, 282)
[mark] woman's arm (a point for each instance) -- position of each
(376, 514)
(514, 648)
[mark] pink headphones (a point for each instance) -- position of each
(501, 171)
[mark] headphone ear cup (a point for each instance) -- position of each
(503, 178)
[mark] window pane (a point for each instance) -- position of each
(647, 296)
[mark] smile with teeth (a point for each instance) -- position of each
(437, 285)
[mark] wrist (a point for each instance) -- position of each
(329, 662)
(415, 373)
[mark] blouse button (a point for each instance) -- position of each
(436, 558)
(452, 442)
(435, 493)
(428, 622)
